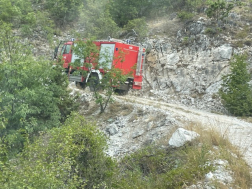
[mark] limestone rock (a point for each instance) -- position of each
(196, 28)
(112, 129)
(222, 53)
(172, 58)
(137, 133)
(181, 136)
(209, 176)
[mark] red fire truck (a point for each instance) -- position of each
(132, 62)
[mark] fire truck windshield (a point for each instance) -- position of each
(65, 49)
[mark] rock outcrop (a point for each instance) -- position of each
(181, 136)
(188, 68)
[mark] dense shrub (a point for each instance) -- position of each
(126, 10)
(163, 168)
(96, 20)
(71, 156)
(34, 94)
(136, 28)
(184, 15)
(63, 11)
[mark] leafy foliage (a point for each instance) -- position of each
(235, 91)
(219, 9)
(111, 76)
(126, 10)
(159, 168)
(63, 11)
(20, 14)
(139, 27)
(33, 93)
(97, 20)
(8, 11)
(71, 156)
(183, 15)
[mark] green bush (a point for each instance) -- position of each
(63, 11)
(183, 15)
(97, 20)
(71, 156)
(34, 94)
(22, 14)
(163, 168)
(139, 25)
(125, 10)
(186, 41)
(210, 31)
(219, 9)
(235, 91)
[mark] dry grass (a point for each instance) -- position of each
(92, 108)
(225, 151)
(133, 117)
(113, 110)
(248, 119)
(164, 26)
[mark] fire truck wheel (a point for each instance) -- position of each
(80, 85)
(121, 92)
(123, 89)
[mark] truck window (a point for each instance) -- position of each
(106, 55)
(66, 49)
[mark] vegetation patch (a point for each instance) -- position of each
(156, 167)
(212, 31)
(242, 34)
(235, 92)
(184, 15)
(71, 156)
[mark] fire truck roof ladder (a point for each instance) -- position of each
(139, 61)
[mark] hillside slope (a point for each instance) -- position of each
(182, 76)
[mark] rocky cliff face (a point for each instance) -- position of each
(188, 68)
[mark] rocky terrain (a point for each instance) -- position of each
(188, 68)
(182, 75)
(134, 122)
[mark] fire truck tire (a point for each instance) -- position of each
(81, 84)
(94, 82)
(123, 90)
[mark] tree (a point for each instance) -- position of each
(219, 10)
(235, 91)
(34, 94)
(71, 156)
(136, 28)
(102, 85)
(20, 14)
(126, 10)
(8, 11)
(97, 20)
(63, 11)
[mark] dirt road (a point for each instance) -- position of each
(237, 131)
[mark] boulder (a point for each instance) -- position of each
(223, 52)
(196, 28)
(182, 136)
(173, 58)
(112, 129)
